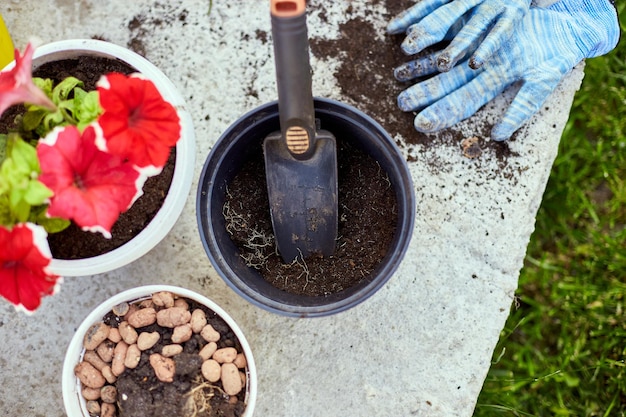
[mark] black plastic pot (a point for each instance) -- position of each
(242, 140)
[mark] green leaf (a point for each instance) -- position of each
(87, 106)
(25, 157)
(44, 84)
(3, 146)
(33, 118)
(36, 193)
(62, 91)
(6, 217)
(19, 187)
(51, 224)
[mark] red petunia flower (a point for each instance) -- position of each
(137, 123)
(16, 85)
(91, 187)
(24, 258)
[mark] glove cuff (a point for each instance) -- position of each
(600, 23)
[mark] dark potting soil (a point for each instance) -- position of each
(141, 394)
(367, 223)
(74, 243)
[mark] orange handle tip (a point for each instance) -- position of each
(287, 8)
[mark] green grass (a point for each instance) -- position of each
(563, 349)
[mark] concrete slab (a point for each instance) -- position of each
(422, 345)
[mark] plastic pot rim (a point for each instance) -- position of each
(73, 402)
(336, 302)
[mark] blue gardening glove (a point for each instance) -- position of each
(491, 24)
(545, 46)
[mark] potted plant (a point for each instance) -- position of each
(159, 350)
(362, 262)
(83, 156)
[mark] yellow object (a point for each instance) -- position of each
(6, 45)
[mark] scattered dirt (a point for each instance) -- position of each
(73, 243)
(367, 223)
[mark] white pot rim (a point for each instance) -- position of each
(176, 198)
(75, 405)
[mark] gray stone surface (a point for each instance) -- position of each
(421, 346)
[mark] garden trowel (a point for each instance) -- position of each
(300, 159)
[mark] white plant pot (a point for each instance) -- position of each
(75, 405)
(175, 200)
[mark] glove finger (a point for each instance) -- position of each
(429, 91)
(417, 68)
(498, 36)
(460, 104)
(527, 101)
(401, 22)
(434, 27)
(467, 39)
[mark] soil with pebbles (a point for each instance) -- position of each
(141, 394)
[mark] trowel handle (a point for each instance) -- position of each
(293, 76)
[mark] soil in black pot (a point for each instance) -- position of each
(367, 223)
(73, 243)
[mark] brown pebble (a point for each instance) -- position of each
(181, 333)
(180, 302)
(107, 410)
(240, 361)
(128, 333)
(133, 355)
(231, 381)
(95, 335)
(119, 356)
(147, 340)
(198, 320)
(208, 350)
(93, 408)
(108, 394)
(171, 350)
(131, 310)
(225, 355)
(89, 376)
(114, 335)
(94, 359)
(173, 317)
(164, 368)
(121, 309)
(163, 299)
(90, 393)
(105, 350)
(211, 370)
(142, 317)
(209, 334)
(107, 373)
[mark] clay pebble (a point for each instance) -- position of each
(96, 334)
(173, 317)
(164, 368)
(146, 340)
(89, 375)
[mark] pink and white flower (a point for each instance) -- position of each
(16, 84)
